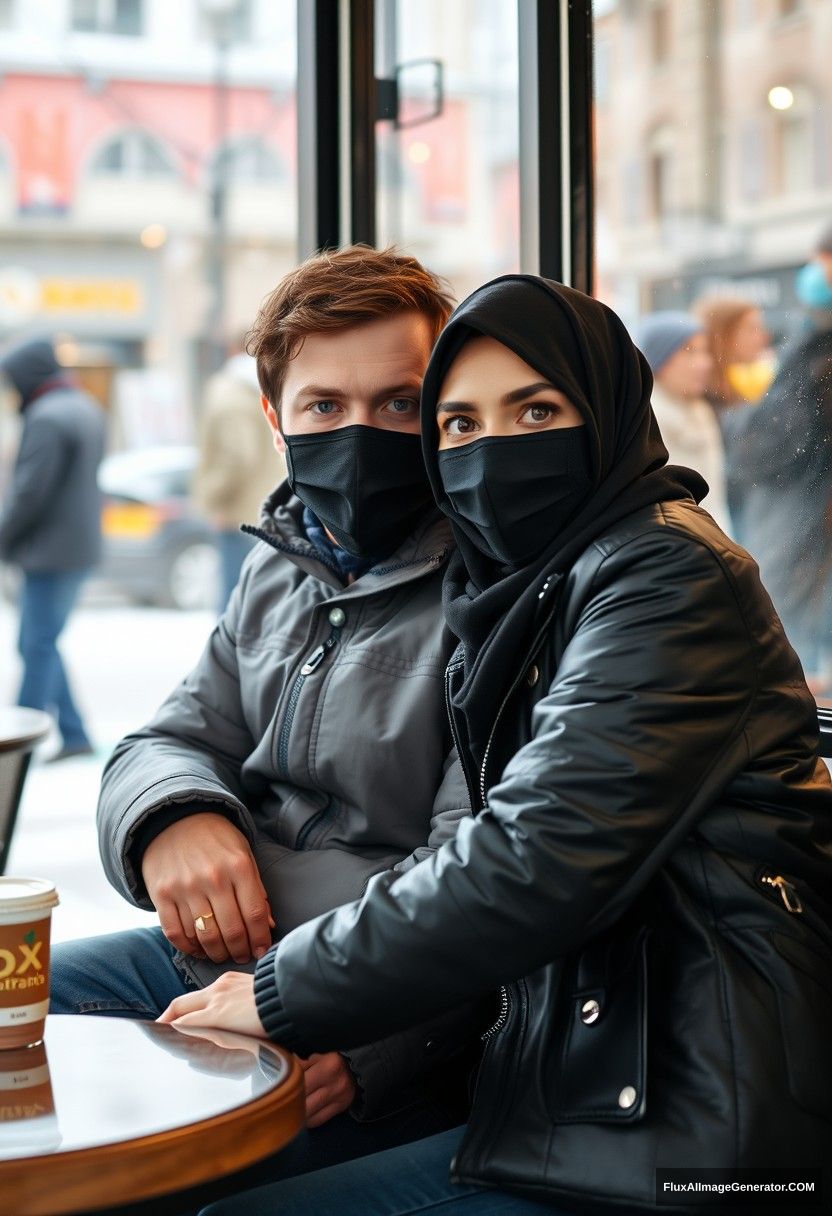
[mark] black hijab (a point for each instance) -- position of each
(582, 348)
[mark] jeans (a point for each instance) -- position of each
(233, 546)
(132, 975)
(45, 603)
(122, 975)
(413, 1178)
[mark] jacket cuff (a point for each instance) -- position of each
(166, 817)
(270, 1008)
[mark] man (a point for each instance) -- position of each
(676, 347)
(309, 749)
(236, 468)
(50, 526)
(780, 475)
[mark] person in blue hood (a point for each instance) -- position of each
(50, 525)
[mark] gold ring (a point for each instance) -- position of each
(199, 923)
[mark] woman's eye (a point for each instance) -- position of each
(324, 408)
(539, 413)
(402, 405)
(459, 426)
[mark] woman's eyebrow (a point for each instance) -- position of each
(520, 394)
(454, 407)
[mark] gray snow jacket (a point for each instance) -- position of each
(314, 720)
(51, 519)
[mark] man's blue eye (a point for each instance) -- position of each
(324, 407)
(401, 405)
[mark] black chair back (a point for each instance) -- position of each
(20, 731)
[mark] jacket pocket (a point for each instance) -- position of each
(804, 1001)
(601, 1073)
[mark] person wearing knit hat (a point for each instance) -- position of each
(676, 347)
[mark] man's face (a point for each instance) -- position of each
(369, 375)
(686, 373)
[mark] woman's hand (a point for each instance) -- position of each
(227, 1004)
(330, 1087)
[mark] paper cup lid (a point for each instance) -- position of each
(26, 894)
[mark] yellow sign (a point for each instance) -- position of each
(91, 295)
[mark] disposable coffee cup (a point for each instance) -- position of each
(25, 920)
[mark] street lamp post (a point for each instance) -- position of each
(219, 15)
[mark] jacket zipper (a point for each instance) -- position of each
(788, 892)
(532, 651)
(502, 1016)
(312, 664)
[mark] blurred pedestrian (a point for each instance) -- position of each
(675, 346)
(50, 525)
(238, 465)
(779, 468)
(740, 347)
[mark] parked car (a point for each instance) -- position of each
(156, 548)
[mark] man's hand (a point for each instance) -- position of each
(330, 1087)
(200, 865)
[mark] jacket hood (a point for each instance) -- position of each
(281, 524)
(28, 366)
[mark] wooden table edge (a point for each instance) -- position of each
(56, 1184)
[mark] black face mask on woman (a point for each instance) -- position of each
(514, 493)
(367, 486)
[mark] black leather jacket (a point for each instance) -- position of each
(650, 880)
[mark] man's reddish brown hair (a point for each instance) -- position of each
(335, 290)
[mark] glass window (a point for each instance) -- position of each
(232, 18)
(107, 16)
(121, 228)
(790, 8)
(250, 160)
(659, 17)
(133, 154)
(448, 187)
(712, 192)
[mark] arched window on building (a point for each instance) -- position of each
(660, 173)
(249, 159)
(132, 153)
(794, 140)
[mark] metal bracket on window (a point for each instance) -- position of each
(389, 93)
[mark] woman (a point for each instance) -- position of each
(641, 751)
(740, 346)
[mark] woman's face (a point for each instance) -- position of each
(488, 391)
(749, 339)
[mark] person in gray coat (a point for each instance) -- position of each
(50, 525)
(309, 749)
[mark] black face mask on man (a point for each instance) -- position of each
(367, 486)
(514, 493)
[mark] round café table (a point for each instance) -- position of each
(110, 1111)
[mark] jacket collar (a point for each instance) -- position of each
(425, 550)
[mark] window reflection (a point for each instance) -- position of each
(714, 199)
(448, 189)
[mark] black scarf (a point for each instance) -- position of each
(583, 349)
